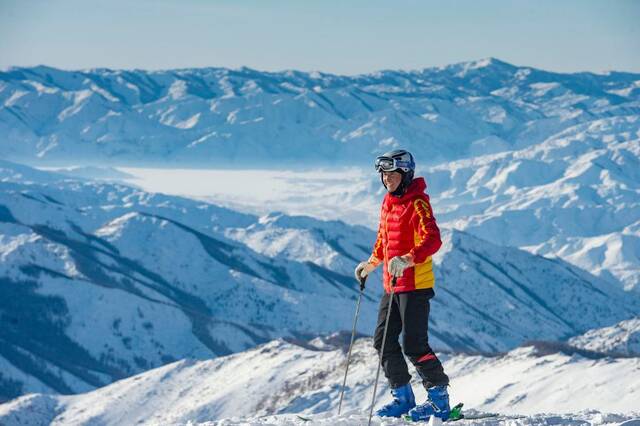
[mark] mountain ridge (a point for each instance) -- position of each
(304, 380)
(247, 117)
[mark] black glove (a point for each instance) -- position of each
(362, 267)
(362, 281)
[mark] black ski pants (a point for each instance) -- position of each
(409, 316)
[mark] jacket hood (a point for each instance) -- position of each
(417, 187)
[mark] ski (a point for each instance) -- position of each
(457, 414)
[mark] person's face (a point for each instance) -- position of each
(391, 180)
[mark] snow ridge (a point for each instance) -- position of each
(247, 117)
(288, 381)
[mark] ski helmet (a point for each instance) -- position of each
(398, 160)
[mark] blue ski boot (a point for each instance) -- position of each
(403, 401)
(437, 405)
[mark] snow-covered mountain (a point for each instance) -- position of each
(575, 196)
(622, 338)
(547, 162)
(283, 380)
(223, 117)
(478, 278)
(100, 281)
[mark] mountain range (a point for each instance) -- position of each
(217, 117)
(101, 281)
(546, 162)
(118, 302)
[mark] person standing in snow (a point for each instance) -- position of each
(407, 238)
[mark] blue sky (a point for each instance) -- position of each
(345, 37)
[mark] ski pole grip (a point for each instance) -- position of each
(362, 281)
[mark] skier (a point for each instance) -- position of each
(407, 238)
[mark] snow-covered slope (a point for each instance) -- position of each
(100, 281)
(285, 378)
(548, 159)
(517, 294)
(246, 117)
(622, 338)
(575, 196)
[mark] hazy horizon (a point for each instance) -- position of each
(340, 38)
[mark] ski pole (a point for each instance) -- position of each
(353, 335)
(384, 338)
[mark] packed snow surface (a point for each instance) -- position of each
(280, 382)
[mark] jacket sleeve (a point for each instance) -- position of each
(377, 255)
(428, 241)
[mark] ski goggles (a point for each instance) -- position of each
(387, 164)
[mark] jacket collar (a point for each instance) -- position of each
(415, 188)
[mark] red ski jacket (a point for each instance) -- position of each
(407, 226)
